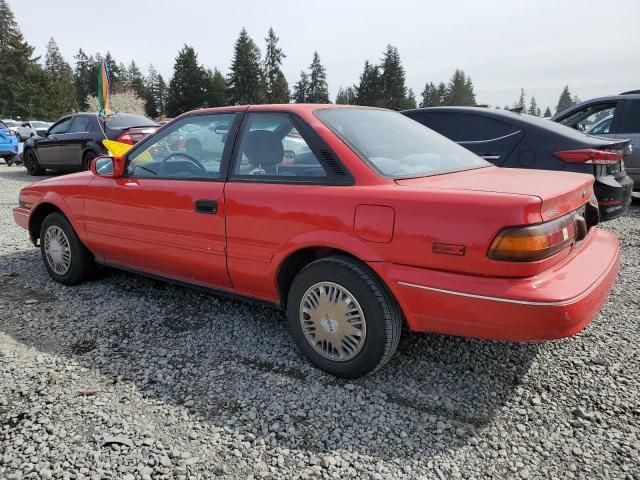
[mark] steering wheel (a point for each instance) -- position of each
(193, 160)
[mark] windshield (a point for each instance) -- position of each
(128, 120)
(395, 145)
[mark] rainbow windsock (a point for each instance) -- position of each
(103, 89)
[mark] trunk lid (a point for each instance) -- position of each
(560, 192)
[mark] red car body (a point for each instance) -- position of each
(426, 238)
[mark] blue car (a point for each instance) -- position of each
(8, 143)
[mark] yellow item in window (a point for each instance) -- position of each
(118, 149)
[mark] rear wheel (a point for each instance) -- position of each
(31, 164)
(342, 317)
(87, 159)
(66, 259)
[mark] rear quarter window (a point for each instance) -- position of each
(463, 127)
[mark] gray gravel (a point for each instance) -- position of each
(129, 378)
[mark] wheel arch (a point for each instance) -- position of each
(50, 204)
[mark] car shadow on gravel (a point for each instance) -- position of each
(233, 364)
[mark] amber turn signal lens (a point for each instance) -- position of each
(534, 242)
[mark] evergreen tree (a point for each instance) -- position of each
(245, 83)
(318, 91)
(163, 96)
(134, 80)
(346, 96)
(411, 100)
(85, 78)
(432, 95)
(62, 92)
(277, 88)
(547, 112)
(369, 90)
(115, 73)
(301, 89)
(533, 107)
(16, 68)
(442, 94)
(565, 101)
(216, 89)
(394, 90)
(151, 97)
(460, 90)
(188, 87)
(522, 101)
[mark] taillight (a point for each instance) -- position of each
(12, 132)
(534, 242)
(590, 156)
(125, 138)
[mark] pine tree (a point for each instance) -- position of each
(134, 79)
(346, 96)
(245, 83)
(84, 78)
(442, 94)
(16, 68)
(460, 90)
(216, 89)
(533, 107)
(431, 96)
(163, 96)
(301, 89)
(410, 102)
(547, 113)
(369, 90)
(277, 88)
(151, 98)
(188, 87)
(62, 93)
(565, 101)
(522, 101)
(394, 90)
(318, 91)
(115, 72)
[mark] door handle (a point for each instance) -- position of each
(207, 206)
(490, 157)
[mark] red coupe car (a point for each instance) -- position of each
(352, 219)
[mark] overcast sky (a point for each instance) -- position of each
(541, 45)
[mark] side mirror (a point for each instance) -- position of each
(110, 167)
(222, 129)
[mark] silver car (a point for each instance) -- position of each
(31, 129)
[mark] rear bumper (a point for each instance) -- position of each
(613, 194)
(556, 303)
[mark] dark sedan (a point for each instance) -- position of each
(516, 140)
(73, 141)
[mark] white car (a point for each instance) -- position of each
(31, 129)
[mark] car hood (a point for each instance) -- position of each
(560, 192)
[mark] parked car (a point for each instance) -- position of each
(624, 112)
(75, 140)
(516, 140)
(383, 221)
(31, 129)
(8, 143)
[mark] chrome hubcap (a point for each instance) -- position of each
(333, 321)
(57, 250)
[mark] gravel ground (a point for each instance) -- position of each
(129, 378)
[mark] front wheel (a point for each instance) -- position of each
(31, 164)
(87, 159)
(342, 317)
(66, 259)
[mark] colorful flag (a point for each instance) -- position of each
(103, 89)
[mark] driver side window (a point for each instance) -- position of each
(61, 127)
(190, 149)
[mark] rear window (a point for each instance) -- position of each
(396, 146)
(128, 120)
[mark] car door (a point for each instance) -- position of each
(273, 196)
(47, 148)
(629, 128)
(166, 216)
(71, 143)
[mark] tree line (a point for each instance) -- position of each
(50, 88)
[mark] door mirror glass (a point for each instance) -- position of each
(103, 166)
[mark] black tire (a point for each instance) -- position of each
(87, 158)
(82, 264)
(31, 164)
(382, 314)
